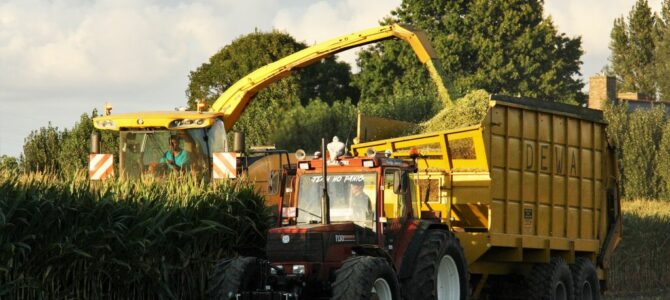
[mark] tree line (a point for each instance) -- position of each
(500, 46)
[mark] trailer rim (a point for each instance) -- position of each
(560, 291)
(448, 283)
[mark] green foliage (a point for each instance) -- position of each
(328, 80)
(68, 238)
(469, 110)
(75, 146)
(499, 46)
(41, 149)
(662, 51)
(303, 127)
(633, 45)
(64, 152)
(9, 164)
(639, 153)
(663, 162)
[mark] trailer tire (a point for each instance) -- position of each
(232, 276)
(551, 281)
(441, 256)
(359, 276)
(587, 285)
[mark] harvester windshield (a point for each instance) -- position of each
(352, 198)
(161, 152)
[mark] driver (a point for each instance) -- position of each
(177, 159)
(360, 202)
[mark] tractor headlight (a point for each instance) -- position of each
(299, 269)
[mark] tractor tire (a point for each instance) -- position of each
(587, 285)
(440, 270)
(552, 281)
(232, 276)
(365, 277)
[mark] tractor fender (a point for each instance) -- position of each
(372, 250)
(407, 265)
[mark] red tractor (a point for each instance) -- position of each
(360, 236)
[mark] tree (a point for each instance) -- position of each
(9, 164)
(633, 46)
(75, 145)
(328, 80)
(663, 161)
(306, 125)
(500, 46)
(639, 153)
(41, 149)
(662, 52)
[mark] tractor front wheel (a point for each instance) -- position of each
(365, 277)
(233, 276)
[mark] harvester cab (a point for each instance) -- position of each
(350, 231)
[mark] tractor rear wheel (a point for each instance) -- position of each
(233, 276)
(365, 277)
(587, 285)
(552, 281)
(440, 270)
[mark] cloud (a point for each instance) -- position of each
(61, 58)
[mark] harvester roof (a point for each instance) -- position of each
(174, 120)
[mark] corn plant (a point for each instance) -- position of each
(68, 238)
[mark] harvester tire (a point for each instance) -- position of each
(587, 285)
(441, 256)
(232, 276)
(360, 277)
(551, 281)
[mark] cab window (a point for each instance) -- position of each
(394, 204)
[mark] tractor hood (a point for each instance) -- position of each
(313, 242)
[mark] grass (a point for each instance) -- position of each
(68, 238)
(641, 263)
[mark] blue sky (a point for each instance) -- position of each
(61, 58)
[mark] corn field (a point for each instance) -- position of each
(641, 263)
(69, 239)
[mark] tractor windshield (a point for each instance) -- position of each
(162, 152)
(352, 198)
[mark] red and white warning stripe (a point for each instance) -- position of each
(100, 166)
(224, 165)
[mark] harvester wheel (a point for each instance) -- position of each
(552, 281)
(232, 276)
(365, 277)
(440, 270)
(587, 285)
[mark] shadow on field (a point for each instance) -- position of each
(640, 267)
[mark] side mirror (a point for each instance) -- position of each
(398, 186)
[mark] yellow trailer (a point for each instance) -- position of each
(529, 191)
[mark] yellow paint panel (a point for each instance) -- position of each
(529, 124)
(587, 193)
(573, 191)
(529, 186)
(497, 215)
(573, 223)
(544, 190)
(587, 134)
(514, 122)
(558, 190)
(498, 156)
(545, 126)
(514, 153)
(558, 222)
(587, 163)
(498, 183)
(543, 220)
(513, 217)
(586, 226)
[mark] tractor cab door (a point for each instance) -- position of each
(395, 196)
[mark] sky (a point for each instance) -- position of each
(62, 58)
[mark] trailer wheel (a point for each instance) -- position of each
(440, 270)
(232, 276)
(587, 285)
(365, 277)
(552, 281)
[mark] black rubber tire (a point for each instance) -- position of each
(232, 276)
(587, 285)
(545, 279)
(355, 279)
(422, 283)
